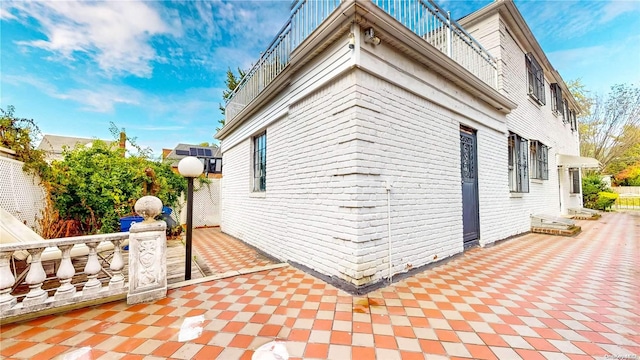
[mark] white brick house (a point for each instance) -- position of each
(360, 148)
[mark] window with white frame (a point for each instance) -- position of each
(556, 99)
(539, 160)
(535, 79)
(566, 116)
(260, 162)
(574, 177)
(518, 163)
(572, 119)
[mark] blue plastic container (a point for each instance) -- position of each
(125, 222)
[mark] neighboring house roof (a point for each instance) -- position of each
(54, 145)
(174, 156)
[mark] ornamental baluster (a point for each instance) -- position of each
(92, 269)
(117, 264)
(7, 280)
(65, 274)
(35, 278)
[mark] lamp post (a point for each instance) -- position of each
(189, 167)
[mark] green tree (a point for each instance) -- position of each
(631, 156)
(581, 95)
(609, 126)
(232, 81)
(97, 185)
(19, 135)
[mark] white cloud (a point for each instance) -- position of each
(572, 19)
(612, 9)
(116, 34)
(6, 15)
(221, 34)
(102, 99)
(601, 66)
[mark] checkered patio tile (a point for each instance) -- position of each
(222, 253)
(533, 297)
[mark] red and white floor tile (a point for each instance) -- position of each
(532, 297)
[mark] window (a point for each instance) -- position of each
(539, 160)
(572, 119)
(566, 118)
(535, 79)
(518, 174)
(260, 162)
(556, 99)
(574, 177)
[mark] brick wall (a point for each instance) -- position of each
(299, 217)
(333, 148)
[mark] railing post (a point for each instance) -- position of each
(449, 36)
(147, 254)
(65, 274)
(7, 280)
(92, 269)
(35, 277)
(117, 264)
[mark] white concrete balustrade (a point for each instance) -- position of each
(26, 258)
(59, 252)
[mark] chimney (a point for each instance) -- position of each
(123, 141)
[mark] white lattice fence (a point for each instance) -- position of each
(206, 204)
(20, 193)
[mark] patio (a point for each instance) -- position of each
(532, 297)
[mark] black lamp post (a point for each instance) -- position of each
(189, 167)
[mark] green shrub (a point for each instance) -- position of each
(98, 185)
(592, 185)
(606, 200)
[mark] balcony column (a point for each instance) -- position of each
(147, 254)
(7, 280)
(65, 274)
(117, 264)
(35, 278)
(449, 35)
(92, 269)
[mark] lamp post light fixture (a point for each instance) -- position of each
(189, 167)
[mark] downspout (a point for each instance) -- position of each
(388, 187)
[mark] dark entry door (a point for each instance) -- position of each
(469, 170)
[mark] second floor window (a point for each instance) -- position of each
(556, 99)
(518, 162)
(535, 79)
(260, 162)
(539, 160)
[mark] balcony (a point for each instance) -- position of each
(423, 17)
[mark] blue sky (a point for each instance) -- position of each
(157, 68)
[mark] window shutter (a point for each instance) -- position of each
(545, 162)
(523, 176)
(557, 94)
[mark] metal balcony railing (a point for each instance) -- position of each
(305, 17)
(432, 23)
(424, 18)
